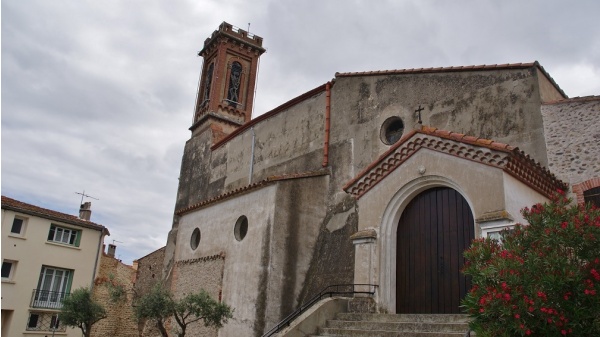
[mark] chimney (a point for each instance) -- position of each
(85, 212)
(111, 250)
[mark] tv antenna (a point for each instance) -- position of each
(85, 195)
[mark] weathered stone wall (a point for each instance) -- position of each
(246, 262)
(502, 105)
(149, 271)
(573, 138)
(121, 319)
(299, 211)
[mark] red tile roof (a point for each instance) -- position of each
(22, 207)
(574, 100)
(482, 67)
(508, 158)
(441, 69)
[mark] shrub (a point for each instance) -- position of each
(542, 279)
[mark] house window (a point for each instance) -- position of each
(44, 321)
(54, 284)
(18, 226)
(8, 269)
(592, 196)
(64, 235)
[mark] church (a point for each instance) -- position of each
(378, 178)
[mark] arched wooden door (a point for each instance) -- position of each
(434, 230)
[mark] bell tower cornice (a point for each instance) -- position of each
(228, 33)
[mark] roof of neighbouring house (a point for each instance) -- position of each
(22, 207)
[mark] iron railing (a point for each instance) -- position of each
(47, 299)
(344, 290)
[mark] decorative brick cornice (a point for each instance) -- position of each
(252, 187)
(220, 256)
(484, 151)
(578, 189)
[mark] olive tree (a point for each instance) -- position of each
(159, 305)
(80, 310)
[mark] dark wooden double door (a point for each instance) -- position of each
(434, 230)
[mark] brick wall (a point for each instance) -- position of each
(190, 276)
(149, 272)
(121, 320)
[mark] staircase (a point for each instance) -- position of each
(403, 325)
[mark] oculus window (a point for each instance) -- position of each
(241, 228)
(195, 239)
(391, 130)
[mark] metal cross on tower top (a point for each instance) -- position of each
(418, 111)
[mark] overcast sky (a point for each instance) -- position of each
(99, 95)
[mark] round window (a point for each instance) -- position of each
(195, 239)
(241, 228)
(391, 130)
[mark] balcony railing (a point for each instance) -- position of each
(47, 299)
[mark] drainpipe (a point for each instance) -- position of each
(97, 258)
(251, 157)
(327, 123)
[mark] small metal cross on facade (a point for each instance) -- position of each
(418, 111)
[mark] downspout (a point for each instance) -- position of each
(327, 123)
(97, 258)
(251, 157)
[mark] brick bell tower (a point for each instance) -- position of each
(226, 90)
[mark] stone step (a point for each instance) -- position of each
(426, 318)
(408, 326)
(381, 333)
(399, 325)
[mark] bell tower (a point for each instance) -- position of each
(226, 90)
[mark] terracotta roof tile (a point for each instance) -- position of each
(22, 207)
(482, 67)
(508, 158)
(441, 69)
(574, 99)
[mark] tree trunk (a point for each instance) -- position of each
(162, 329)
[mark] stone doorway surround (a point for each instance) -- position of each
(494, 178)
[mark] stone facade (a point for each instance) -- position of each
(121, 320)
(347, 157)
(148, 274)
(573, 138)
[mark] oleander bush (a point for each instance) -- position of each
(543, 279)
